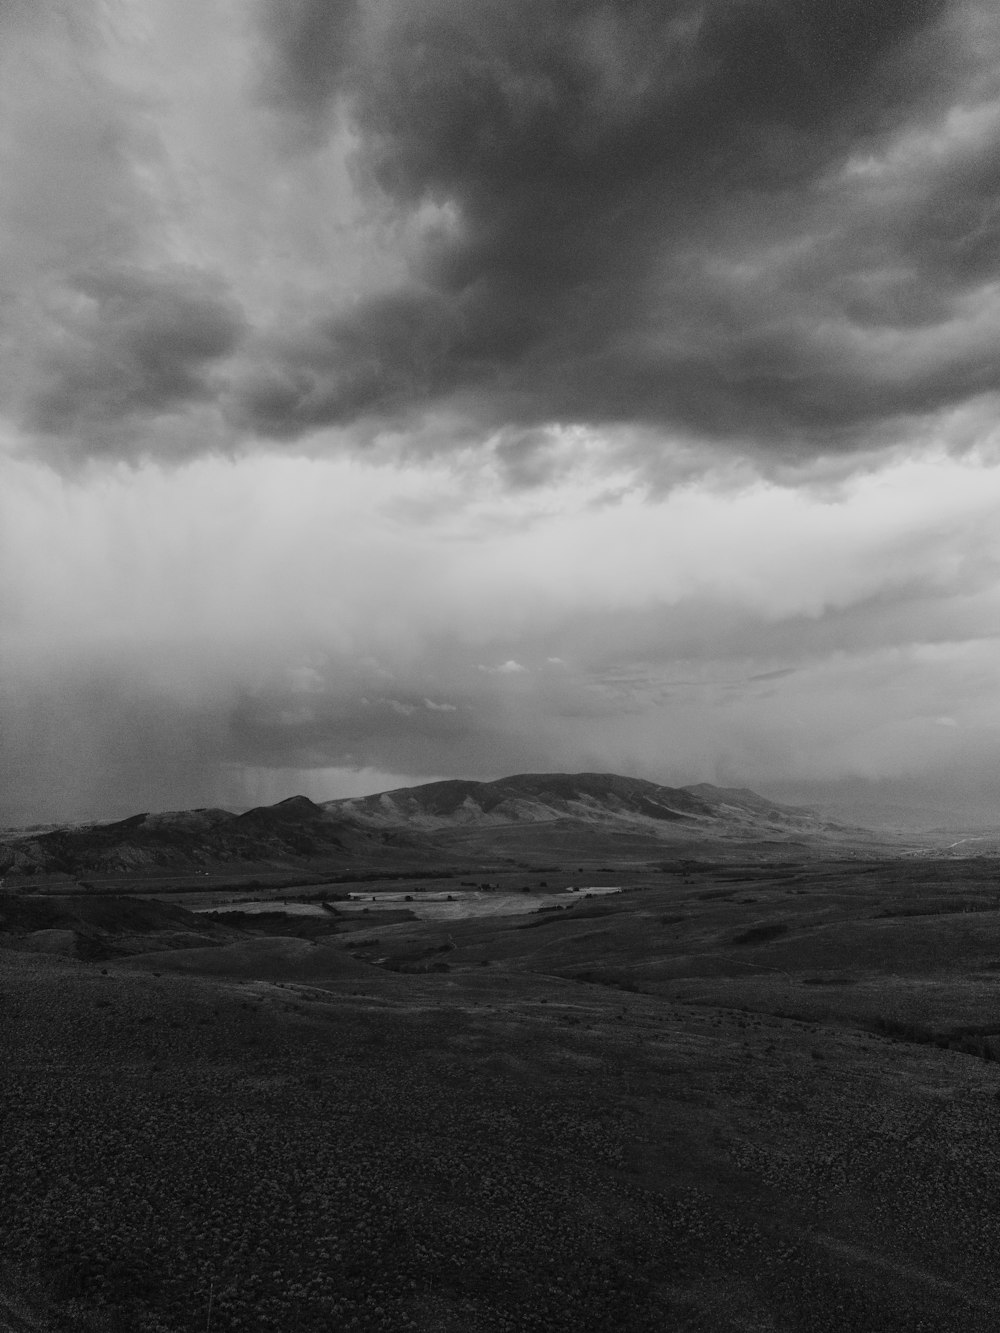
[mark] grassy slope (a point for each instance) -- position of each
(736, 1144)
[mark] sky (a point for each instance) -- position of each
(403, 389)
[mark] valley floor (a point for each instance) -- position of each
(727, 1098)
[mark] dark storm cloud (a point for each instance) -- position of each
(643, 216)
(310, 43)
(123, 345)
(396, 350)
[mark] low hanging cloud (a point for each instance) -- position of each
(769, 227)
(766, 223)
(109, 324)
(309, 46)
(124, 346)
(184, 632)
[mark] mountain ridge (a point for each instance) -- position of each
(416, 823)
(533, 796)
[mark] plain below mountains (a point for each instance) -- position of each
(534, 815)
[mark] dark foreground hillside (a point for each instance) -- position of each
(723, 1100)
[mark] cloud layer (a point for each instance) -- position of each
(414, 389)
(762, 223)
(183, 633)
(768, 225)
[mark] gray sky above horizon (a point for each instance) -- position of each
(392, 391)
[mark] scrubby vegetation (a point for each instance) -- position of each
(316, 1178)
(661, 1113)
(767, 930)
(982, 1040)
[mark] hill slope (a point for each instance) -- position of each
(293, 833)
(414, 825)
(606, 799)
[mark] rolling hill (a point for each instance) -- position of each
(294, 833)
(585, 798)
(438, 822)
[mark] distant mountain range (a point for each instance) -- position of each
(533, 798)
(535, 813)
